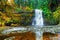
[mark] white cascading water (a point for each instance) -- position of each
(38, 21)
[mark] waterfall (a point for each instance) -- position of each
(38, 19)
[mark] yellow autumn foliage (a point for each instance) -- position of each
(56, 14)
(10, 2)
(28, 9)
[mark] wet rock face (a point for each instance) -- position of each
(49, 36)
(20, 36)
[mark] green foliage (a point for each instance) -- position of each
(33, 4)
(16, 21)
